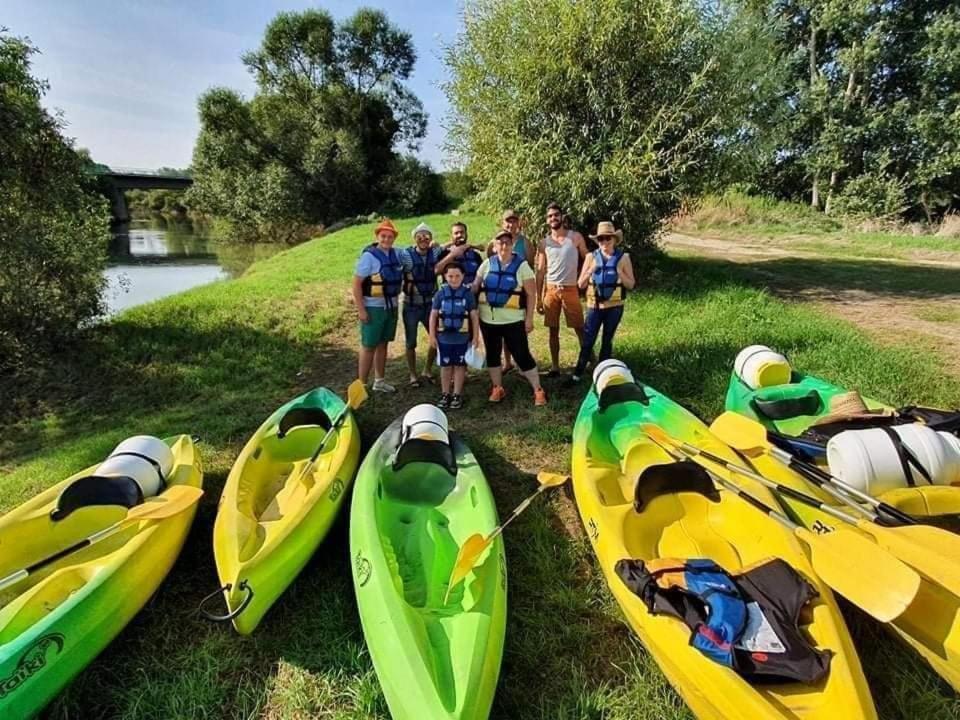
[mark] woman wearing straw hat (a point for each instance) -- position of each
(376, 286)
(606, 276)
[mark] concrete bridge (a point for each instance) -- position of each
(124, 178)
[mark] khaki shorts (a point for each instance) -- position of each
(557, 298)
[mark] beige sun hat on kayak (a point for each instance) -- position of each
(849, 406)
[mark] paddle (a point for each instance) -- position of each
(356, 396)
(866, 575)
(930, 550)
(750, 437)
(474, 545)
(173, 501)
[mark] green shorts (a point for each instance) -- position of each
(381, 327)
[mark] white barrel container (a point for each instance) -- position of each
(611, 372)
(868, 459)
(425, 422)
(759, 366)
(129, 459)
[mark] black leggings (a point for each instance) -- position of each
(515, 337)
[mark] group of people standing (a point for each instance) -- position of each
(486, 301)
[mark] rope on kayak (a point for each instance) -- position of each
(244, 585)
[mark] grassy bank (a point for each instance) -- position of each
(215, 360)
(799, 227)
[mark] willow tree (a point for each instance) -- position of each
(613, 108)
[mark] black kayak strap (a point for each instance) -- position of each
(907, 459)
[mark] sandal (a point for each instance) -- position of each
(414, 383)
(426, 379)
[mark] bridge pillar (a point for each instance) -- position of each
(118, 205)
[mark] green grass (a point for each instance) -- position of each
(799, 227)
(215, 360)
(939, 314)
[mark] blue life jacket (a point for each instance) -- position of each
(605, 281)
(420, 283)
(385, 283)
(470, 261)
(453, 309)
(501, 287)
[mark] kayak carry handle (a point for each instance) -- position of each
(244, 585)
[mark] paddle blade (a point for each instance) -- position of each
(356, 394)
(470, 551)
(548, 479)
(741, 433)
(173, 501)
(931, 551)
(865, 574)
(656, 433)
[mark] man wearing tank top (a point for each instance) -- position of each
(558, 259)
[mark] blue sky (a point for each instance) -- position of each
(127, 73)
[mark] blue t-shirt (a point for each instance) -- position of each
(368, 265)
(454, 337)
(406, 261)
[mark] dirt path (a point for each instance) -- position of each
(897, 301)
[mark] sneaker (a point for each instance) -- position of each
(539, 397)
(444, 402)
(497, 394)
(456, 402)
(381, 385)
(572, 381)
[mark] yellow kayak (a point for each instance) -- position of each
(270, 520)
(610, 453)
(58, 619)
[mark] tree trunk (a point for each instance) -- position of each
(847, 97)
(812, 54)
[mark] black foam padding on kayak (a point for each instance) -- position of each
(682, 476)
(299, 416)
(786, 408)
(624, 392)
(97, 490)
(434, 452)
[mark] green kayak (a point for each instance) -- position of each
(414, 503)
(790, 408)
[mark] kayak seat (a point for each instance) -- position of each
(302, 416)
(674, 477)
(621, 393)
(423, 472)
(97, 490)
(785, 404)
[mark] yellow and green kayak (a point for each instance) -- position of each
(437, 658)
(678, 522)
(271, 518)
(57, 620)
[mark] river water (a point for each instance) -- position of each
(150, 259)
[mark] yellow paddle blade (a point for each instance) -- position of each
(741, 433)
(356, 394)
(657, 434)
(173, 501)
(469, 552)
(865, 574)
(931, 551)
(548, 479)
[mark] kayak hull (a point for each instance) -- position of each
(270, 520)
(69, 612)
(436, 659)
(609, 453)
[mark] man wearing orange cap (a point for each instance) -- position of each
(377, 281)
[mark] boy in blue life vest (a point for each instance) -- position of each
(419, 286)
(454, 325)
(377, 281)
(607, 274)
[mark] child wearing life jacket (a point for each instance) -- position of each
(607, 274)
(454, 325)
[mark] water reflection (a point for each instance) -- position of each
(150, 259)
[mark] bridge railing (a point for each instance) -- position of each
(143, 172)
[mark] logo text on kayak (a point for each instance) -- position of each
(32, 661)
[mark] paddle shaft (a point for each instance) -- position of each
(337, 421)
(16, 577)
(513, 516)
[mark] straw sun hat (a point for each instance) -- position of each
(605, 229)
(849, 406)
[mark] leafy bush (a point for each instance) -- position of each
(736, 209)
(613, 108)
(54, 227)
(871, 195)
(413, 188)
